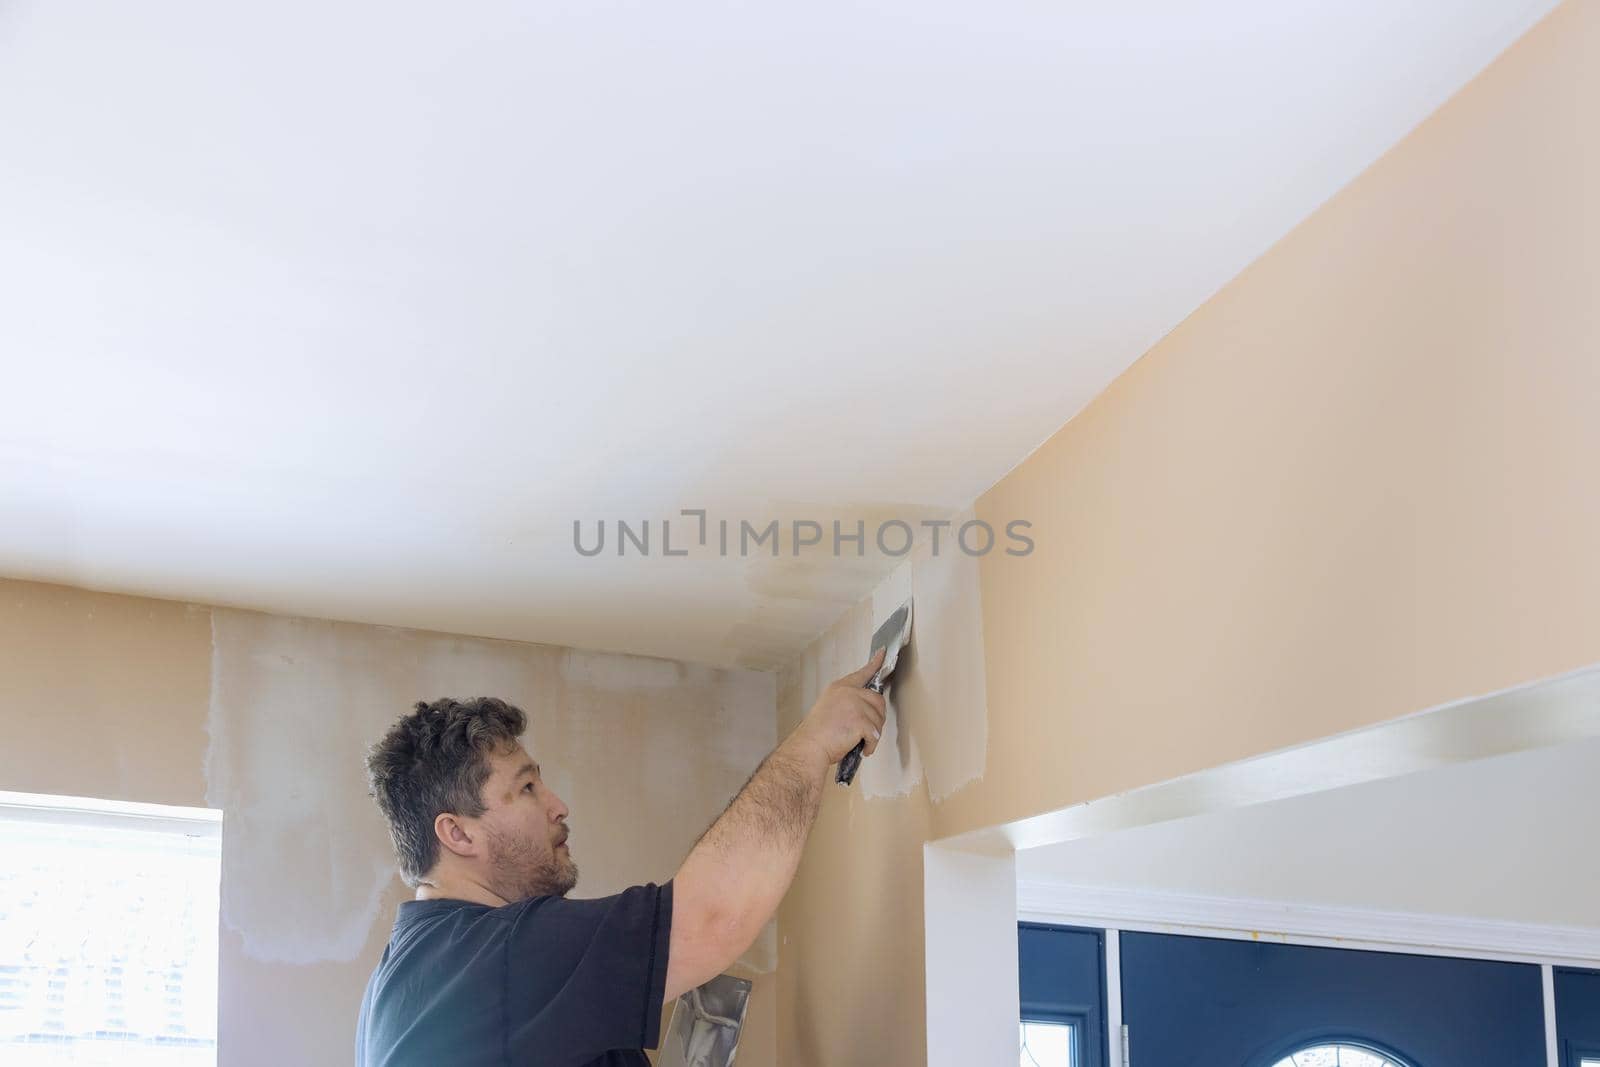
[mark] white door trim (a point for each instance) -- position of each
(1552, 1056)
(1114, 1048)
(1153, 911)
(970, 952)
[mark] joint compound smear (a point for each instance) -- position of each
(645, 753)
(945, 690)
(938, 722)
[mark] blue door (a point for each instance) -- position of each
(1062, 980)
(1203, 1002)
(1578, 1017)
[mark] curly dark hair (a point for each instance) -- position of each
(434, 760)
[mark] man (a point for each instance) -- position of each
(492, 964)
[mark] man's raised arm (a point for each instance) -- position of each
(736, 875)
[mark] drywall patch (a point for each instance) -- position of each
(305, 855)
(644, 757)
(617, 672)
(938, 724)
(944, 689)
(896, 767)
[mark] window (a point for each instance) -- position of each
(1048, 1044)
(108, 933)
(1339, 1055)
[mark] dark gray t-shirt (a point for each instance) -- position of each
(547, 981)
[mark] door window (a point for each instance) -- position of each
(1048, 1044)
(1341, 1055)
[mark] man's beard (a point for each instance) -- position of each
(521, 871)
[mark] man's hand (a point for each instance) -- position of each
(845, 713)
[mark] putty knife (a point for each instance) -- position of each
(891, 636)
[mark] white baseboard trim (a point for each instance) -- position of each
(1154, 911)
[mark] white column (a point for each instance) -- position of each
(974, 1005)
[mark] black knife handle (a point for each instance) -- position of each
(851, 763)
(852, 760)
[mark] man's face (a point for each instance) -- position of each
(525, 825)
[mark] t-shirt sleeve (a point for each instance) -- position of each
(587, 976)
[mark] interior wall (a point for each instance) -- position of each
(268, 718)
(1356, 483)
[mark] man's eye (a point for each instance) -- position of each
(528, 787)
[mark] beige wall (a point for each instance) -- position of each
(267, 717)
(103, 695)
(1362, 480)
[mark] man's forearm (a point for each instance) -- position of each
(748, 858)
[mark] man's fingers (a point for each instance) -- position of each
(875, 707)
(850, 706)
(861, 677)
(874, 727)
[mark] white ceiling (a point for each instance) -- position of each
(1505, 839)
(350, 309)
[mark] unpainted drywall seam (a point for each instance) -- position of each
(645, 752)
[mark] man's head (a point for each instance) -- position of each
(465, 801)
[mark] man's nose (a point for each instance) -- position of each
(559, 812)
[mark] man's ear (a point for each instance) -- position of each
(455, 835)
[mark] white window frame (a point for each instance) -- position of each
(1073, 1036)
